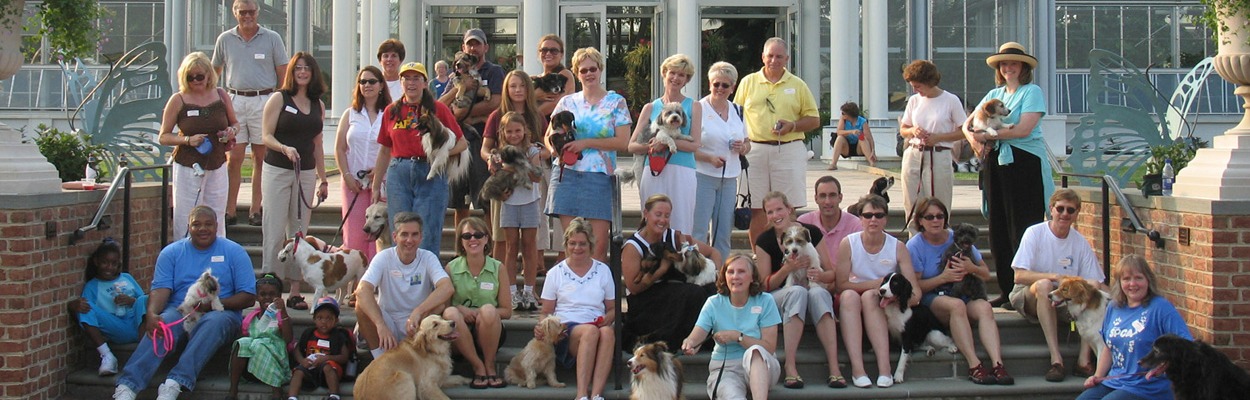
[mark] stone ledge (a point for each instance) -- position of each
(1093, 194)
(72, 197)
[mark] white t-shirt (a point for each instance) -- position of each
(579, 298)
(717, 133)
(865, 266)
(939, 114)
(362, 140)
(402, 287)
(396, 87)
(1042, 251)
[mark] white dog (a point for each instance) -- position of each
(1088, 307)
(206, 289)
(698, 269)
(796, 241)
(324, 271)
(667, 129)
(438, 141)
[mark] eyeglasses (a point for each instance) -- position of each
(869, 215)
(550, 50)
(1065, 209)
(720, 85)
(931, 217)
(588, 70)
(363, 82)
(474, 235)
(411, 78)
(247, 12)
(303, 67)
(771, 108)
(196, 77)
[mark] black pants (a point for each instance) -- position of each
(1014, 196)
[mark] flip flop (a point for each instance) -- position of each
(496, 382)
(479, 382)
(836, 381)
(297, 303)
(793, 382)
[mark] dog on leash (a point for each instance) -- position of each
(326, 271)
(1088, 307)
(205, 290)
(517, 171)
(916, 328)
(538, 357)
(1197, 370)
(438, 140)
(656, 373)
(563, 131)
(467, 81)
(667, 129)
(970, 287)
(552, 82)
(418, 368)
(660, 253)
(698, 269)
(796, 241)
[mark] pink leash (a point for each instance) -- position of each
(163, 331)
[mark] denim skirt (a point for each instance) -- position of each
(580, 194)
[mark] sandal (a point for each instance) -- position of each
(496, 382)
(296, 303)
(836, 381)
(479, 382)
(793, 382)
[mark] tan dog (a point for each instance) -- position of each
(656, 373)
(416, 369)
(538, 356)
(377, 224)
(1087, 305)
(989, 117)
(326, 272)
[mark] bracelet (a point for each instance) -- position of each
(186, 140)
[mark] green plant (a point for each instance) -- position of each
(1179, 152)
(66, 151)
(638, 76)
(1216, 16)
(71, 27)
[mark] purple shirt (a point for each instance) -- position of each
(847, 225)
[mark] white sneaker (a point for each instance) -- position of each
(531, 301)
(108, 365)
(168, 390)
(123, 392)
(518, 301)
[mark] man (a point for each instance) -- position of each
(390, 56)
(410, 282)
(465, 193)
(177, 268)
(251, 62)
(778, 108)
(1049, 252)
(834, 225)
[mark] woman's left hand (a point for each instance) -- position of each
(323, 190)
(726, 337)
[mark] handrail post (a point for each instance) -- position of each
(166, 206)
(1106, 232)
(614, 257)
(126, 223)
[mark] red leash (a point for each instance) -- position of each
(163, 330)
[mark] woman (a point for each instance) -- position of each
(478, 281)
(864, 259)
(930, 125)
(1016, 178)
(798, 300)
(717, 162)
(206, 125)
(602, 129)
(438, 85)
(853, 135)
(653, 296)
(551, 55)
(928, 250)
(743, 359)
(580, 291)
(391, 56)
(402, 161)
(676, 177)
(1133, 300)
(356, 144)
(291, 128)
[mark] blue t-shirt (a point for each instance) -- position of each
(927, 258)
(180, 264)
(99, 294)
(1027, 98)
(1130, 333)
(719, 314)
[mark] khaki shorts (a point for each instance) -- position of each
(777, 168)
(248, 109)
(1016, 298)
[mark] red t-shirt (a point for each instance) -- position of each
(406, 141)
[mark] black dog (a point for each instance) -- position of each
(562, 132)
(881, 187)
(661, 253)
(552, 82)
(1197, 370)
(970, 287)
(914, 327)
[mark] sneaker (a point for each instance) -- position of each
(1003, 377)
(123, 392)
(981, 375)
(531, 301)
(518, 302)
(108, 365)
(168, 390)
(1056, 373)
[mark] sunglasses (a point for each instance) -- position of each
(931, 217)
(474, 235)
(1065, 209)
(550, 50)
(720, 85)
(247, 12)
(589, 70)
(363, 82)
(868, 215)
(196, 77)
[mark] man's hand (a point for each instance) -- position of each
(150, 323)
(386, 339)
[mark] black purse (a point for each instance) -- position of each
(742, 213)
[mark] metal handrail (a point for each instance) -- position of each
(614, 256)
(123, 177)
(1132, 225)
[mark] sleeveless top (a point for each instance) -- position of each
(682, 158)
(644, 248)
(194, 120)
(297, 130)
(866, 267)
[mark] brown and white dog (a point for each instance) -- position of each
(326, 272)
(418, 368)
(989, 117)
(656, 373)
(438, 140)
(205, 290)
(1088, 306)
(796, 242)
(698, 269)
(538, 357)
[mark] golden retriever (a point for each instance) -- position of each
(416, 369)
(537, 356)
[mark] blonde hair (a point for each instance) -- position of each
(721, 68)
(586, 54)
(1068, 195)
(196, 60)
(530, 113)
(1133, 263)
(576, 226)
(677, 63)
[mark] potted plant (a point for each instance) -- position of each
(66, 151)
(69, 26)
(1222, 16)
(1181, 153)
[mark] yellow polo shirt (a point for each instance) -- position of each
(790, 99)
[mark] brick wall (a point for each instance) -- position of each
(39, 341)
(1208, 280)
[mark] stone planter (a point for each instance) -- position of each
(23, 170)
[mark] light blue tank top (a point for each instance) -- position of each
(682, 158)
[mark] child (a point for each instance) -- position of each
(853, 137)
(263, 351)
(112, 304)
(520, 212)
(322, 351)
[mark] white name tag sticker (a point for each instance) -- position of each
(217, 259)
(292, 110)
(757, 310)
(396, 274)
(487, 286)
(789, 91)
(322, 343)
(1065, 262)
(193, 113)
(259, 56)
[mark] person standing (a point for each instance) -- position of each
(717, 161)
(243, 57)
(438, 85)
(930, 125)
(390, 56)
(356, 149)
(551, 55)
(464, 193)
(676, 176)
(778, 108)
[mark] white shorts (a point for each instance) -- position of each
(249, 109)
(733, 383)
(777, 168)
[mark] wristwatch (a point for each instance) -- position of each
(740, 336)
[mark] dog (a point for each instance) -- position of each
(538, 357)
(376, 222)
(916, 328)
(656, 373)
(552, 82)
(989, 117)
(326, 271)
(563, 128)
(667, 129)
(1197, 370)
(661, 253)
(467, 81)
(881, 187)
(205, 290)
(970, 287)
(418, 368)
(698, 269)
(1087, 305)
(517, 171)
(438, 140)
(796, 241)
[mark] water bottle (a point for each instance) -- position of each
(119, 288)
(89, 175)
(1169, 176)
(270, 318)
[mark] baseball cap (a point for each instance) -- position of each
(414, 66)
(327, 302)
(475, 34)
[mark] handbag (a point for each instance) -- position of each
(742, 213)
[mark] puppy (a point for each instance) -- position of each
(1197, 370)
(438, 140)
(667, 129)
(660, 253)
(467, 81)
(418, 368)
(916, 328)
(563, 128)
(881, 187)
(970, 287)
(517, 171)
(1087, 305)
(552, 82)
(205, 290)
(989, 117)
(796, 242)
(698, 269)
(538, 357)
(656, 373)
(331, 271)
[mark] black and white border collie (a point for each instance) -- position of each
(914, 327)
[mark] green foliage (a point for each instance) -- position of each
(1217, 10)
(70, 26)
(66, 151)
(1179, 152)
(638, 76)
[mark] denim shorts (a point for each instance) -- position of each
(563, 358)
(519, 216)
(580, 194)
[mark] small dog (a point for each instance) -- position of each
(1197, 370)
(989, 117)
(468, 81)
(563, 129)
(970, 287)
(538, 357)
(916, 328)
(698, 269)
(418, 368)
(881, 187)
(552, 82)
(660, 253)
(517, 171)
(796, 242)
(206, 289)
(667, 129)
(331, 271)
(656, 373)
(1087, 305)
(438, 140)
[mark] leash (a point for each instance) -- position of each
(351, 205)
(299, 192)
(720, 186)
(163, 330)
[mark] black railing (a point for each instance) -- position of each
(614, 256)
(1131, 223)
(102, 221)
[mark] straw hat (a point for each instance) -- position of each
(1011, 51)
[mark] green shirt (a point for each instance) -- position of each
(474, 291)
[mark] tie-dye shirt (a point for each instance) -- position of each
(596, 121)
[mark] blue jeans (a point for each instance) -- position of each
(1105, 393)
(408, 190)
(214, 329)
(715, 195)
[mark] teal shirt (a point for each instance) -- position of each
(474, 291)
(1027, 98)
(682, 158)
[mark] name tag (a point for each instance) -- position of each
(322, 343)
(415, 280)
(292, 110)
(193, 113)
(789, 91)
(887, 261)
(757, 310)
(217, 259)
(487, 286)
(396, 274)
(1065, 262)
(259, 56)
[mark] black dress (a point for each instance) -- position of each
(668, 309)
